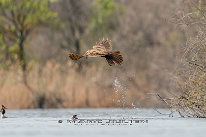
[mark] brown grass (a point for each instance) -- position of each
(55, 86)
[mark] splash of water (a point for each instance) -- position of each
(120, 89)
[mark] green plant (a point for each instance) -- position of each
(18, 20)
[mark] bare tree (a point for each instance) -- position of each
(191, 80)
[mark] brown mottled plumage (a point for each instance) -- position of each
(102, 49)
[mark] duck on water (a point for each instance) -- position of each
(3, 111)
(74, 117)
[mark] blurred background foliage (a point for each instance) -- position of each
(19, 18)
(104, 17)
(37, 35)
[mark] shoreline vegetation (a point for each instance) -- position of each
(162, 43)
(57, 86)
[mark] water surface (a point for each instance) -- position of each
(44, 123)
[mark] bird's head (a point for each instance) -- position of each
(74, 117)
(3, 107)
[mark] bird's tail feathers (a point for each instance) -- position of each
(75, 56)
(115, 58)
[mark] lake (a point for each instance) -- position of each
(44, 123)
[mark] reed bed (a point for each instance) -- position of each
(54, 85)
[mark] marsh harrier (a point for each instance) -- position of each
(102, 49)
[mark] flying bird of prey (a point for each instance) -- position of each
(102, 49)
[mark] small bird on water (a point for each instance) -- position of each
(3, 111)
(102, 49)
(74, 117)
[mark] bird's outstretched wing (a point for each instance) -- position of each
(101, 48)
(104, 44)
